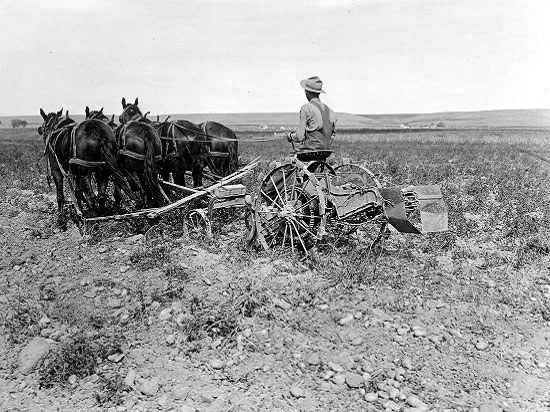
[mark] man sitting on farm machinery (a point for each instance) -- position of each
(317, 125)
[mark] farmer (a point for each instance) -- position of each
(317, 121)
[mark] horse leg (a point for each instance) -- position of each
(165, 174)
(179, 176)
(102, 180)
(58, 179)
(136, 184)
(84, 183)
(197, 173)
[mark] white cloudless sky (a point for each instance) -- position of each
(226, 56)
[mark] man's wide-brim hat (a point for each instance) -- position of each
(313, 84)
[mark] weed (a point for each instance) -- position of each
(151, 257)
(79, 355)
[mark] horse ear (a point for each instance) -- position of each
(67, 114)
(113, 118)
(123, 102)
(59, 113)
(101, 111)
(87, 111)
(43, 114)
(136, 103)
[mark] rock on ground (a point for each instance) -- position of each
(33, 353)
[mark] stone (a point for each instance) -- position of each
(371, 396)
(72, 380)
(116, 357)
(414, 401)
(297, 392)
(185, 408)
(217, 364)
(335, 367)
(135, 238)
(130, 377)
(170, 339)
(180, 392)
(149, 387)
(33, 353)
(348, 318)
(165, 314)
(354, 380)
(481, 345)
(490, 407)
(313, 359)
(339, 379)
(406, 362)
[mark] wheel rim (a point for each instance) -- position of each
(285, 213)
(356, 175)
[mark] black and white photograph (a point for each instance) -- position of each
(275, 205)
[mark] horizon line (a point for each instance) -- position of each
(341, 112)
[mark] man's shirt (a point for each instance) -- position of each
(311, 120)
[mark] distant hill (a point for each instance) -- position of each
(283, 121)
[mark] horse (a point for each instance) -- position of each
(140, 149)
(184, 147)
(224, 148)
(76, 151)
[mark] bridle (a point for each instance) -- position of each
(136, 115)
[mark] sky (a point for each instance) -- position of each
(231, 56)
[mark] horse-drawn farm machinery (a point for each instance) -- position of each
(295, 205)
(299, 201)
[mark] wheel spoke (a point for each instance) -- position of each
(284, 186)
(277, 190)
(299, 237)
(303, 226)
(301, 207)
(284, 236)
(272, 201)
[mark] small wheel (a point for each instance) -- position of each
(286, 212)
(356, 175)
(197, 220)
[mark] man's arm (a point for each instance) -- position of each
(300, 134)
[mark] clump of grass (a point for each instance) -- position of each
(154, 256)
(223, 319)
(79, 355)
(21, 317)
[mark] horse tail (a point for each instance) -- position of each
(112, 165)
(150, 172)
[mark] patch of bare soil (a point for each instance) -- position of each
(123, 321)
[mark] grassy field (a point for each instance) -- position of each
(479, 294)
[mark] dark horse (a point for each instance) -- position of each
(184, 147)
(140, 149)
(76, 151)
(224, 148)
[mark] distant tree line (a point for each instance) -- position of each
(18, 123)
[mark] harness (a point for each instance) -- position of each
(51, 142)
(74, 160)
(122, 140)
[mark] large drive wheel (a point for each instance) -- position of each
(289, 208)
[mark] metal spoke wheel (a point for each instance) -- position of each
(359, 176)
(289, 208)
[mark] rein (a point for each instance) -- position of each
(226, 139)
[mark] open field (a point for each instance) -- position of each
(456, 321)
(534, 118)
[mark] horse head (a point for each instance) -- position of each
(129, 112)
(96, 114)
(51, 120)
